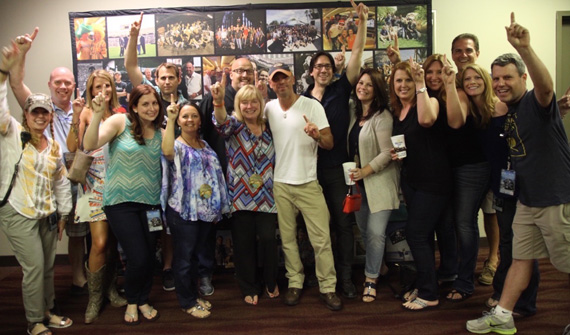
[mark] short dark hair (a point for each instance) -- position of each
(466, 36)
(319, 54)
(510, 58)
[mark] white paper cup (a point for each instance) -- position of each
(399, 146)
(347, 167)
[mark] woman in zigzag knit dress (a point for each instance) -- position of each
(251, 157)
(131, 197)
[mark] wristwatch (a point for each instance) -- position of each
(421, 90)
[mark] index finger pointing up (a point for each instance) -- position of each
(306, 119)
(353, 4)
(77, 94)
(172, 102)
(512, 17)
(140, 20)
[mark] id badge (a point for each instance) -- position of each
(507, 185)
(154, 220)
(498, 204)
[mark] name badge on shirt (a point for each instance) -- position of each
(507, 185)
(154, 220)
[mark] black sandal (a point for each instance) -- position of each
(463, 296)
(368, 287)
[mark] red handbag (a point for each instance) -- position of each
(352, 201)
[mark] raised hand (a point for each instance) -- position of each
(99, 103)
(136, 26)
(360, 9)
(417, 73)
(78, 103)
(172, 109)
(517, 35)
(447, 72)
(393, 52)
(219, 91)
(311, 129)
(24, 42)
(9, 57)
(339, 60)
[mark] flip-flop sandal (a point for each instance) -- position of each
(132, 316)
(419, 302)
(62, 322)
(149, 313)
(33, 326)
(368, 287)
(410, 295)
(204, 303)
(198, 312)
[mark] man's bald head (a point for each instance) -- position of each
(61, 85)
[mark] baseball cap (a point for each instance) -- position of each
(38, 100)
(283, 68)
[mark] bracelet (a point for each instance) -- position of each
(4, 72)
(421, 90)
(220, 105)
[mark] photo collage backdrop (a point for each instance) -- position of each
(212, 37)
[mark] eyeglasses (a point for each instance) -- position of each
(242, 71)
(323, 66)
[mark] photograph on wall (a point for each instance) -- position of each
(189, 33)
(303, 75)
(383, 62)
(409, 23)
(263, 64)
(294, 30)
(340, 26)
(118, 28)
(84, 70)
(191, 83)
(90, 38)
(240, 31)
(213, 70)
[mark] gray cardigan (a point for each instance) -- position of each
(374, 144)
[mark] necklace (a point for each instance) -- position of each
(198, 146)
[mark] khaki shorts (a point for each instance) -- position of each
(487, 203)
(543, 232)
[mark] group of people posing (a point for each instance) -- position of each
(265, 161)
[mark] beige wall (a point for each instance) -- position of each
(485, 18)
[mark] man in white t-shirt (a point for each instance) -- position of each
(299, 126)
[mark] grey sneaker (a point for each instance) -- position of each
(206, 288)
(490, 322)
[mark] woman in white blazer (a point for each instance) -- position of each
(377, 175)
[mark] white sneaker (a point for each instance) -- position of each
(490, 322)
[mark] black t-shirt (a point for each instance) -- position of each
(426, 167)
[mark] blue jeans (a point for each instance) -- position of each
(334, 190)
(527, 301)
(187, 238)
(129, 223)
(247, 226)
(424, 211)
(373, 231)
(470, 184)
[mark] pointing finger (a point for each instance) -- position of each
(172, 99)
(512, 18)
(343, 48)
(306, 119)
(140, 20)
(77, 94)
(396, 42)
(35, 33)
(353, 4)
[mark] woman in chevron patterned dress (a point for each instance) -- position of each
(102, 265)
(131, 197)
(251, 158)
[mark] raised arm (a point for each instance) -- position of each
(168, 137)
(519, 38)
(96, 138)
(20, 90)
(353, 67)
(457, 102)
(74, 136)
(9, 59)
(218, 93)
(428, 108)
(131, 58)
